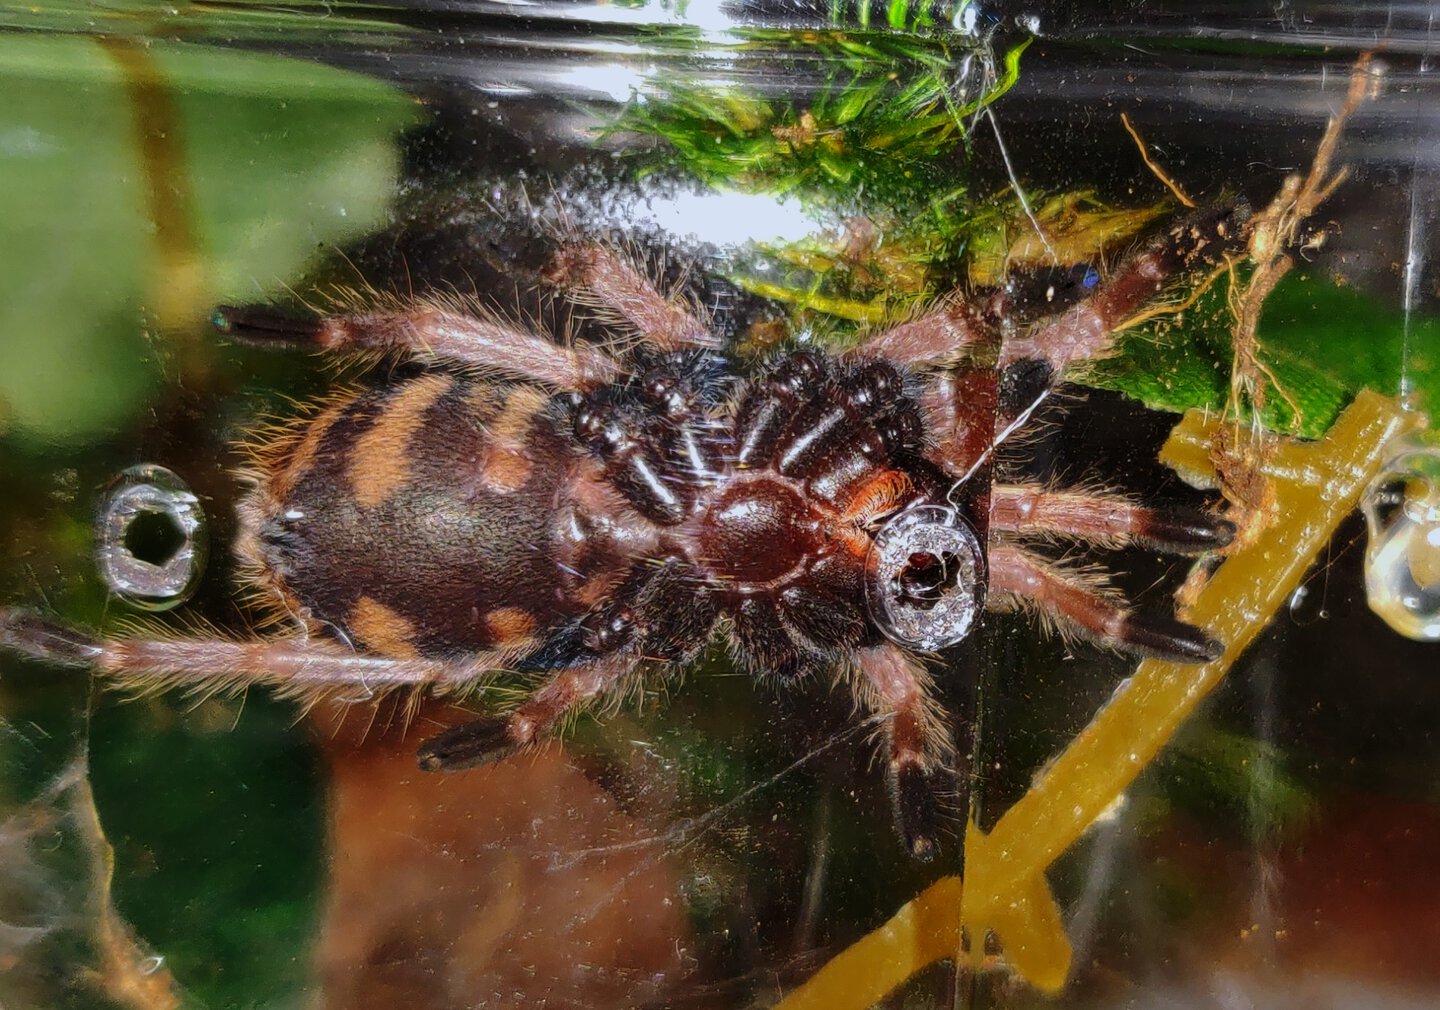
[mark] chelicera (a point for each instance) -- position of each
(583, 511)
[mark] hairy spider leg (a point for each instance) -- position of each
(941, 335)
(640, 624)
(1108, 520)
(609, 282)
(961, 407)
(1086, 330)
(1074, 602)
(429, 334)
(966, 411)
(205, 663)
(966, 414)
(492, 738)
(918, 744)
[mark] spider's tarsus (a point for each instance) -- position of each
(916, 812)
(37, 637)
(1185, 531)
(470, 745)
(1168, 639)
(1207, 233)
(261, 324)
(1022, 384)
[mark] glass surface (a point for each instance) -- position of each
(803, 173)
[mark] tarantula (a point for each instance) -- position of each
(511, 502)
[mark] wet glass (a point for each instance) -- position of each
(802, 172)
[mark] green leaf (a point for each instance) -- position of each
(146, 182)
(1322, 342)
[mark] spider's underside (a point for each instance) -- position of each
(509, 502)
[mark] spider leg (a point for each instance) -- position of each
(1086, 331)
(213, 663)
(660, 464)
(960, 406)
(917, 741)
(1066, 597)
(640, 623)
(1109, 520)
(430, 334)
(612, 284)
(492, 738)
(939, 336)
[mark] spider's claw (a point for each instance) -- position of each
(469, 745)
(916, 812)
(1168, 639)
(37, 637)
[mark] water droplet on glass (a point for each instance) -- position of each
(924, 584)
(151, 538)
(1402, 560)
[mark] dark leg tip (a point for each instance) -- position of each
(261, 324)
(1222, 532)
(1186, 531)
(473, 744)
(916, 812)
(1022, 384)
(1169, 639)
(37, 637)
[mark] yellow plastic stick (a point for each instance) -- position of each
(924, 931)
(1315, 485)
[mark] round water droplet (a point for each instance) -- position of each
(1402, 559)
(150, 538)
(926, 578)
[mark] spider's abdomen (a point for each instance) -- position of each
(434, 515)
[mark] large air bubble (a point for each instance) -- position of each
(1402, 560)
(926, 578)
(151, 538)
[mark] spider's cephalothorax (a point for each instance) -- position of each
(510, 502)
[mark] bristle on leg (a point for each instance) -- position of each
(1105, 518)
(1075, 602)
(916, 739)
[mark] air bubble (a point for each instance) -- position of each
(1402, 560)
(925, 581)
(151, 538)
